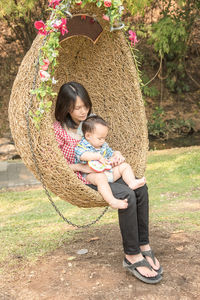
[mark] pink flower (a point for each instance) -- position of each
(105, 17)
(54, 3)
(45, 76)
(41, 27)
(46, 64)
(107, 3)
(132, 37)
(61, 25)
(79, 3)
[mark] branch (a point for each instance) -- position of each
(18, 37)
(190, 76)
(155, 74)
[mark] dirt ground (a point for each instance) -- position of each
(64, 274)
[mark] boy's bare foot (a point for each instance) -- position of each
(137, 183)
(119, 204)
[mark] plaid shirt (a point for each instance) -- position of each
(84, 146)
(67, 144)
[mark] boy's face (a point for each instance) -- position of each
(98, 136)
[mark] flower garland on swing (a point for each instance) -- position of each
(56, 26)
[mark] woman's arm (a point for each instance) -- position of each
(86, 156)
(80, 168)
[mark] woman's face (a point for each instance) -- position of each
(80, 111)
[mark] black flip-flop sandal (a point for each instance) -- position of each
(143, 263)
(150, 254)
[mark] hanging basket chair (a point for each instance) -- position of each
(103, 64)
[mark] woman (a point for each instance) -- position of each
(72, 107)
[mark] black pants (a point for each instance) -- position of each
(134, 220)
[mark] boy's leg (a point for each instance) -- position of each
(125, 171)
(100, 180)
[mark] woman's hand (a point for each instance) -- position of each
(117, 159)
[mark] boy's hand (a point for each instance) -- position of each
(117, 159)
(104, 161)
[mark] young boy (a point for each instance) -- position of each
(93, 147)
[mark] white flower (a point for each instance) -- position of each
(54, 54)
(54, 81)
(121, 8)
(44, 75)
(41, 110)
(57, 22)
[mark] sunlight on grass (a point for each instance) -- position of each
(173, 171)
(30, 227)
(173, 180)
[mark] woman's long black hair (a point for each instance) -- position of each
(66, 102)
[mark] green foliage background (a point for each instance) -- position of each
(20, 16)
(169, 36)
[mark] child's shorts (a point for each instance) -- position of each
(109, 175)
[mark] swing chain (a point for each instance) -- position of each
(27, 116)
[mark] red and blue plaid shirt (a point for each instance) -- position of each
(67, 145)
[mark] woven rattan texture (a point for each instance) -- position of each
(107, 71)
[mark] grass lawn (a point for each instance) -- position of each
(30, 227)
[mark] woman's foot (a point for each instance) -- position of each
(119, 204)
(149, 256)
(137, 183)
(144, 271)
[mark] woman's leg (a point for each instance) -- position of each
(128, 219)
(128, 222)
(101, 181)
(142, 197)
(143, 221)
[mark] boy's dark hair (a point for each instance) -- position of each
(66, 102)
(89, 124)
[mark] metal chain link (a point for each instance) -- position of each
(27, 116)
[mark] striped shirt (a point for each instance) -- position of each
(84, 146)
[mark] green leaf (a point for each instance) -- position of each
(43, 93)
(49, 104)
(33, 92)
(99, 4)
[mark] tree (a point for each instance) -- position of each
(171, 35)
(137, 6)
(20, 16)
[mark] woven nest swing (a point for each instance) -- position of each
(102, 61)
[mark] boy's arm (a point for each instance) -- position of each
(108, 153)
